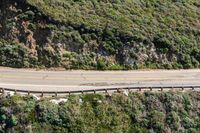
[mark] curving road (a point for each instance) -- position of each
(78, 80)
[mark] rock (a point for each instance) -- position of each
(59, 44)
(55, 101)
(80, 101)
(35, 97)
(63, 100)
(125, 92)
(109, 94)
(9, 94)
(99, 101)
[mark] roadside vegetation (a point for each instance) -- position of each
(154, 112)
(13, 55)
(104, 35)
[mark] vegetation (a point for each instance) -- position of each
(13, 55)
(120, 34)
(137, 112)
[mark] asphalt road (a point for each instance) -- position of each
(78, 80)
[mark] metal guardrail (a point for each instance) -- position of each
(106, 90)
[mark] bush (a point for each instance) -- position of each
(101, 113)
(13, 55)
(173, 120)
(138, 34)
(157, 121)
(101, 64)
(114, 67)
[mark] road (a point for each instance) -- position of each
(79, 80)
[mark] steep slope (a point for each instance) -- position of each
(166, 112)
(107, 34)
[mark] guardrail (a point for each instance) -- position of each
(106, 90)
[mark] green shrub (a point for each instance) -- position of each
(101, 113)
(140, 34)
(157, 121)
(173, 120)
(114, 67)
(101, 64)
(11, 121)
(13, 55)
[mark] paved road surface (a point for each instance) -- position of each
(77, 80)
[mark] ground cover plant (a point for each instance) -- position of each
(104, 35)
(153, 112)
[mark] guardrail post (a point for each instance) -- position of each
(94, 91)
(82, 92)
(193, 88)
(15, 92)
(182, 88)
(29, 93)
(56, 94)
(42, 94)
(172, 88)
(3, 90)
(151, 88)
(106, 91)
(140, 89)
(69, 93)
(161, 88)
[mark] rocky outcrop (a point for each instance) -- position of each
(53, 43)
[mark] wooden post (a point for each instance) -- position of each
(182, 88)
(106, 91)
(29, 93)
(161, 88)
(193, 88)
(56, 94)
(42, 94)
(94, 91)
(140, 89)
(172, 88)
(151, 88)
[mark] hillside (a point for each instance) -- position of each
(167, 112)
(106, 34)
